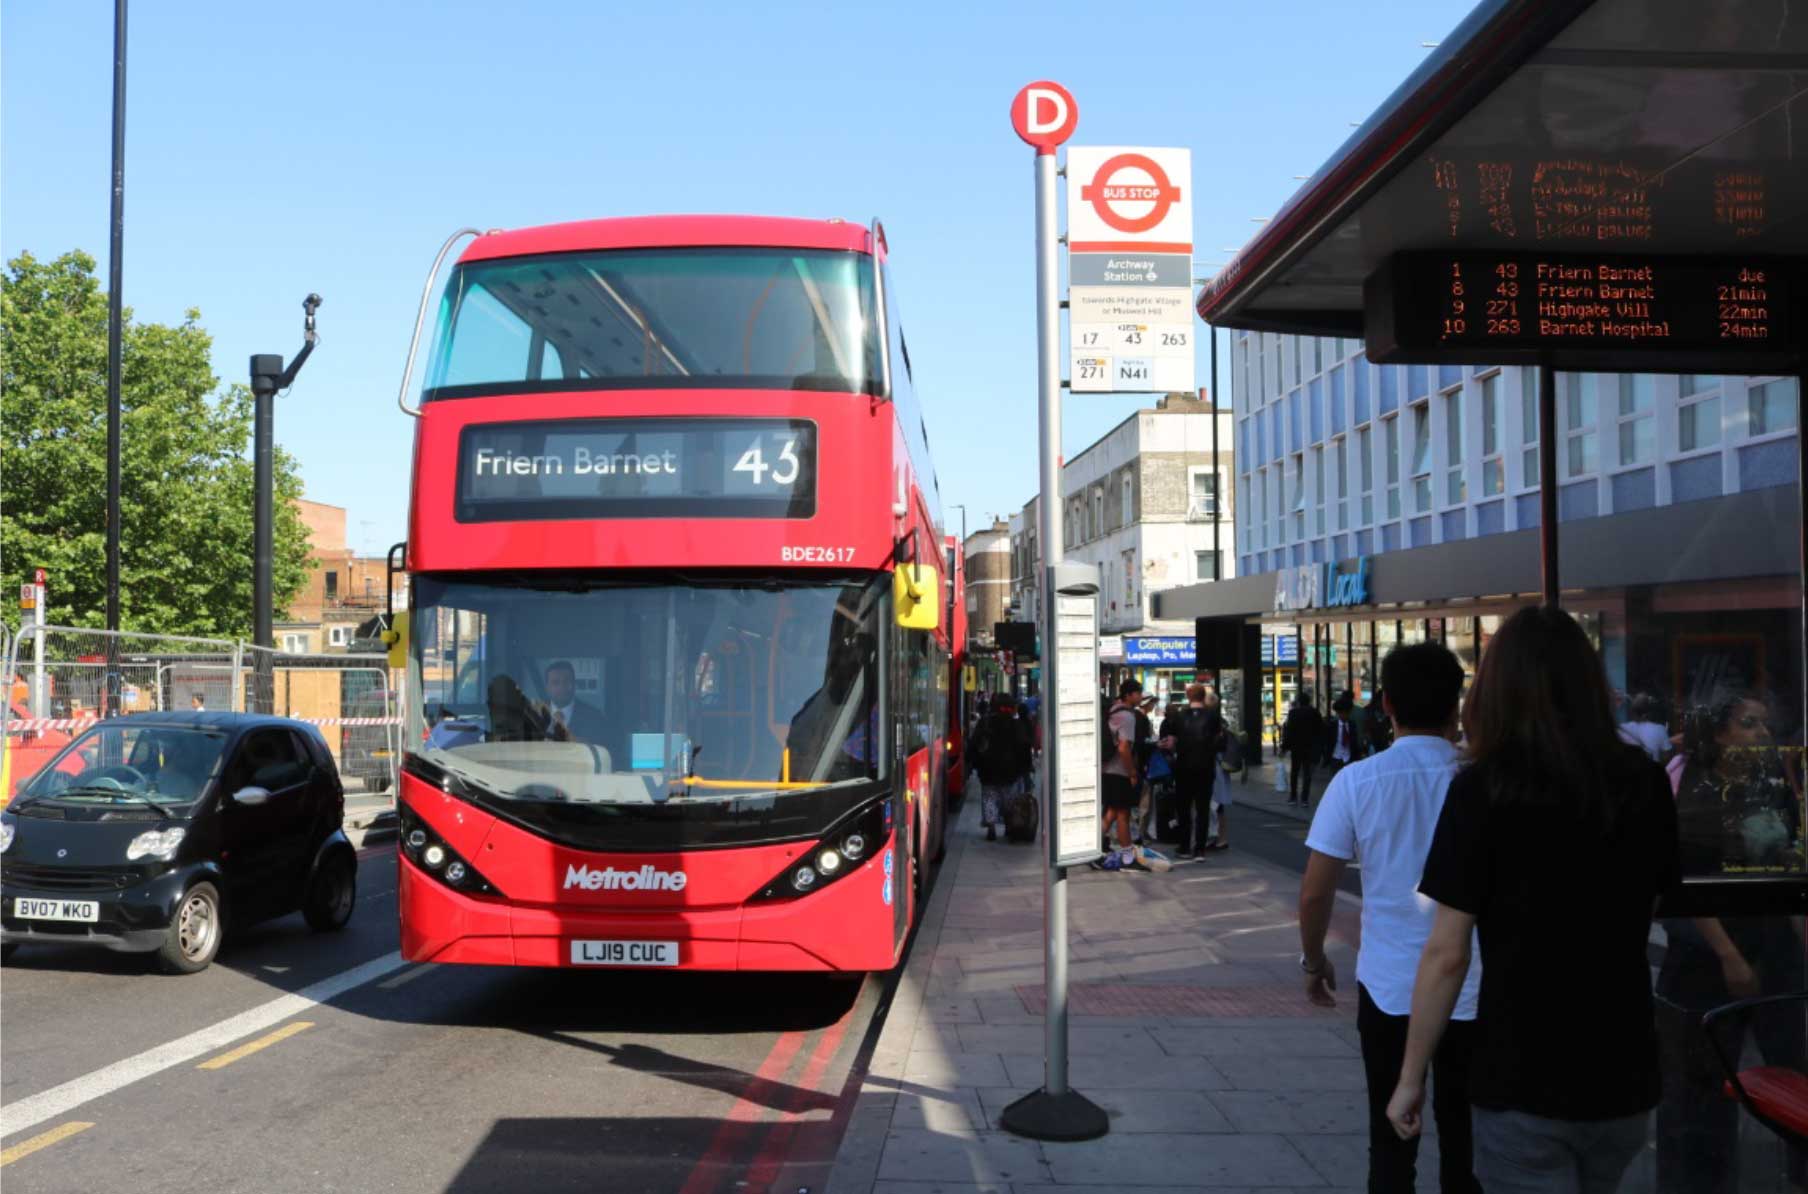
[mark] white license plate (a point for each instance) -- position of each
(624, 953)
(82, 910)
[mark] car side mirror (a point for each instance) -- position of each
(251, 796)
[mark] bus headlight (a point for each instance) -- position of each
(838, 853)
(422, 847)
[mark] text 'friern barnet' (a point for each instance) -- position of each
(583, 463)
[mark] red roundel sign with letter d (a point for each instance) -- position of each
(1045, 114)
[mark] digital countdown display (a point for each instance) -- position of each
(1586, 310)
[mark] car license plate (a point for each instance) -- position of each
(624, 953)
(82, 910)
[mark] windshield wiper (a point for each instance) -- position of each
(90, 790)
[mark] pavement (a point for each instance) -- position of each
(1190, 1028)
(370, 818)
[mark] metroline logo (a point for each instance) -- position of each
(647, 878)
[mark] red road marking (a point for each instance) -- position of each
(704, 1174)
(765, 1167)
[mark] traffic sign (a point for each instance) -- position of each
(1045, 115)
(1130, 304)
(1122, 199)
(28, 596)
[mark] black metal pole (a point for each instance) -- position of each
(1801, 493)
(1547, 482)
(264, 371)
(115, 346)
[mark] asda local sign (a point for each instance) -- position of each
(1320, 586)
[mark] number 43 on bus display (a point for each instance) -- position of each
(784, 471)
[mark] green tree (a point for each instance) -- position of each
(185, 475)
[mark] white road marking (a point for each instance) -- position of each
(60, 1100)
(390, 984)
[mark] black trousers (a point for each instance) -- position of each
(1193, 805)
(1393, 1162)
(1299, 775)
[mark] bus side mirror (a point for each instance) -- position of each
(916, 595)
(396, 639)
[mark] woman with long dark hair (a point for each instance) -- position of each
(1553, 846)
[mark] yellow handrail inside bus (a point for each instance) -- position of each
(748, 784)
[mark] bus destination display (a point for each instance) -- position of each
(1498, 308)
(637, 468)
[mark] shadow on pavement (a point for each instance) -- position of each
(626, 1155)
(644, 1059)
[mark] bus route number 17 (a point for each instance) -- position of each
(783, 471)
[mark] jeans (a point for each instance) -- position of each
(1299, 775)
(1517, 1153)
(1393, 1162)
(1193, 804)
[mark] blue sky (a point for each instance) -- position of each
(274, 150)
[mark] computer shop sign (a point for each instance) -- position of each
(1321, 586)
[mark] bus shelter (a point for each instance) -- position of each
(1606, 202)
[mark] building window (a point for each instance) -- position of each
(370, 586)
(1365, 465)
(295, 644)
(1528, 425)
(1698, 423)
(1130, 580)
(1275, 510)
(1299, 497)
(1578, 423)
(1772, 407)
(1202, 492)
(1098, 511)
(1318, 491)
(1421, 458)
(1205, 565)
(1697, 383)
(336, 635)
(1341, 446)
(1638, 425)
(1494, 480)
(1390, 433)
(1455, 491)
(1129, 502)
(332, 585)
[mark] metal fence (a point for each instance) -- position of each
(62, 679)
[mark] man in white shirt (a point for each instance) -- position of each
(1382, 811)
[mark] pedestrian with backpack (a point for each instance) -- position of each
(1001, 753)
(1118, 763)
(1198, 737)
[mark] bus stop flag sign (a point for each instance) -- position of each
(1130, 244)
(1044, 114)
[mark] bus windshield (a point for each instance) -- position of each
(789, 319)
(575, 689)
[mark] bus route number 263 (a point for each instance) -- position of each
(782, 470)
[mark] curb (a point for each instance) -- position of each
(364, 831)
(856, 1166)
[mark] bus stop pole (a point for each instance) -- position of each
(1054, 1112)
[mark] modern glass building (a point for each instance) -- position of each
(1422, 481)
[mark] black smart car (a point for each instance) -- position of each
(152, 832)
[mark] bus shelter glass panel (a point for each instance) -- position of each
(1679, 531)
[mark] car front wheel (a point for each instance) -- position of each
(331, 892)
(194, 933)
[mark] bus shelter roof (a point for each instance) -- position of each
(1613, 126)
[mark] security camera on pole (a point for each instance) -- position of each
(1044, 114)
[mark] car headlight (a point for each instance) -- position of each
(6, 836)
(155, 843)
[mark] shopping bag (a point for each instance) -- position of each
(1280, 775)
(1211, 827)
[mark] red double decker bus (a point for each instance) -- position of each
(678, 650)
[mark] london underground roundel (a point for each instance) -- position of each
(1044, 114)
(1116, 193)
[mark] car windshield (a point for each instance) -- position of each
(606, 692)
(157, 767)
(792, 319)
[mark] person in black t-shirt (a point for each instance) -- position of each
(1553, 845)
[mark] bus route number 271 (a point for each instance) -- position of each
(816, 555)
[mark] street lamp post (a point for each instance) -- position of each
(268, 377)
(115, 348)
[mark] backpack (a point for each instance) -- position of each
(1144, 746)
(1196, 738)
